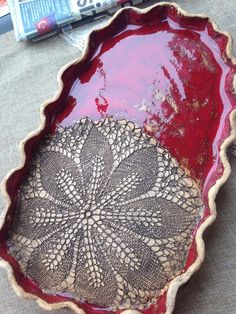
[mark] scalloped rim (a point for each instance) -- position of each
(200, 245)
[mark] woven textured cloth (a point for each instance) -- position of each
(28, 77)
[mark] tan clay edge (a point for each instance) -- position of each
(181, 279)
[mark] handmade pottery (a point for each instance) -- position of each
(106, 211)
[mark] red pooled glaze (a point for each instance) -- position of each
(169, 74)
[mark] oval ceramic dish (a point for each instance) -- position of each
(106, 211)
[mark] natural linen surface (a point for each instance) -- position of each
(28, 77)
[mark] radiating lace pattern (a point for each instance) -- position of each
(105, 213)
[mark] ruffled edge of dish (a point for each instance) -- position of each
(178, 281)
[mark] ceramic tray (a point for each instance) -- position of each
(106, 211)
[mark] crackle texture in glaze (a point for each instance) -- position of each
(105, 213)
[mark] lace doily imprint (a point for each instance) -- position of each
(104, 214)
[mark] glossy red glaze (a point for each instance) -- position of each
(168, 73)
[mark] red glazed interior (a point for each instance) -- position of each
(168, 73)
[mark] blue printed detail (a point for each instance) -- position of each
(42, 16)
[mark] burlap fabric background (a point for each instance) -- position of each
(27, 78)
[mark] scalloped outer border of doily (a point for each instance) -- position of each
(182, 278)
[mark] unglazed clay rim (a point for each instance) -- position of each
(200, 245)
